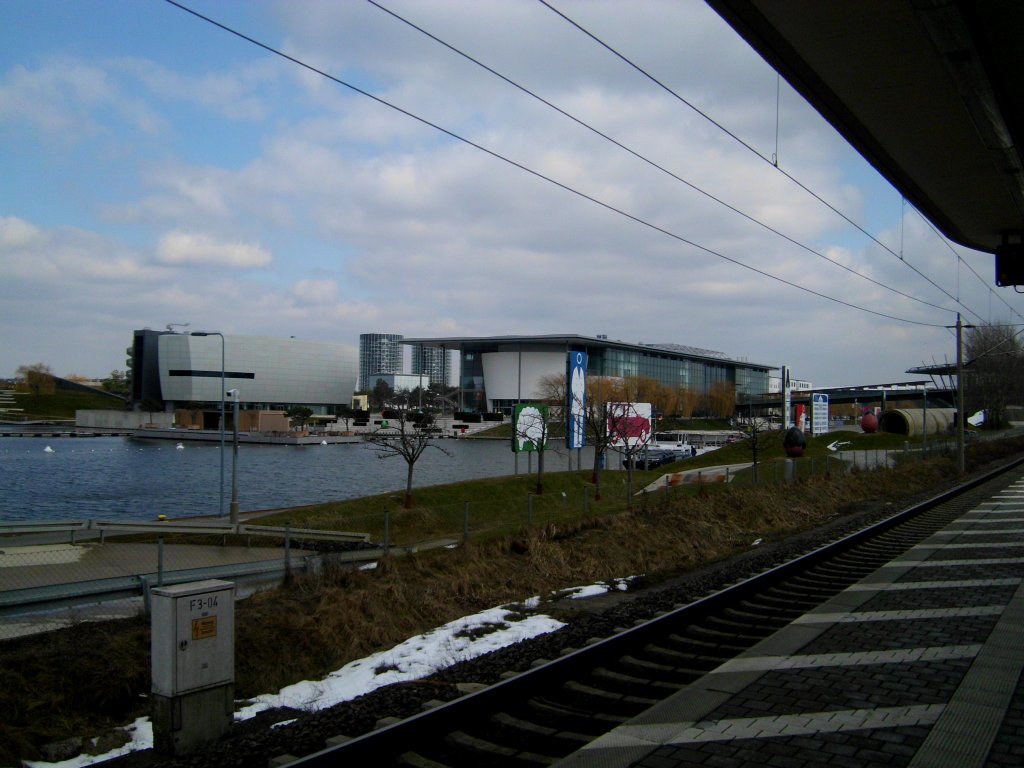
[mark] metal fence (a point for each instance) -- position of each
(56, 573)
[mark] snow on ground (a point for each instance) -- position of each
(417, 657)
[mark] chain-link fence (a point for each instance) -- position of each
(52, 574)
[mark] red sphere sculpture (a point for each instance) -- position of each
(869, 423)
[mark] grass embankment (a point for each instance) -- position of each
(59, 406)
(501, 506)
(91, 677)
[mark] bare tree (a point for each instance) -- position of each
(722, 399)
(381, 395)
(757, 428)
(688, 401)
(600, 392)
(629, 431)
(530, 433)
(404, 438)
(993, 371)
(37, 378)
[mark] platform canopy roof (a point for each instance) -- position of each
(928, 91)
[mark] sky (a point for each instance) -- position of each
(418, 657)
(157, 169)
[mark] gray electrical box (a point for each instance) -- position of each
(193, 663)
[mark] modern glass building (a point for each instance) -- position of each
(378, 353)
(433, 362)
(180, 370)
(496, 372)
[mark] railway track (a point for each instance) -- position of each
(540, 716)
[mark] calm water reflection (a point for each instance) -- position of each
(122, 478)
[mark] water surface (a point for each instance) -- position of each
(123, 478)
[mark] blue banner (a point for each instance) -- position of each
(576, 400)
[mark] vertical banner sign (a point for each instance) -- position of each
(800, 417)
(819, 414)
(787, 395)
(576, 400)
(529, 428)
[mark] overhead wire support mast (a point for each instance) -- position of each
(540, 175)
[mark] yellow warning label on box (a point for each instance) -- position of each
(204, 628)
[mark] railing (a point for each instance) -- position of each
(104, 567)
(73, 527)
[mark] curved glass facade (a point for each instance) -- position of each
(520, 363)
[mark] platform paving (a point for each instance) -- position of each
(918, 665)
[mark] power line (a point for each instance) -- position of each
(538, 174)
(647, 160)
(945, 241)
(742, 143)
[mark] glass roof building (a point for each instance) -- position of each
(496, 372)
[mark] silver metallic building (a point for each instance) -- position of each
(178, 369)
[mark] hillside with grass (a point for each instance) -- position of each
(59, 405)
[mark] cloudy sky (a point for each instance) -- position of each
(157, 169)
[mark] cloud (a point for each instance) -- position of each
(238, 93)
(67, 99)
(315, 291)
(198, 249)
(274, 202)
(17, 233)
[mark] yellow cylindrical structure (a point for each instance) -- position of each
(914, 422)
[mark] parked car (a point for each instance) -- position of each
(651, 459)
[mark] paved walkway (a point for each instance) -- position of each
(918, 665)
(44, 565)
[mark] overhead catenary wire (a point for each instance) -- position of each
(744, 144)
(650, 162)
(945, 241)
(539, 175)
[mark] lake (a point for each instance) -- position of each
(123, 478)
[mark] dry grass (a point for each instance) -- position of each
(85, 679)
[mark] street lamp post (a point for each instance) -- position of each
(222, 390)
(234, 395)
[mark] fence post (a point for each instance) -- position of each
(160, 561)
(146, 605)
(287, 552)
(465, 521)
